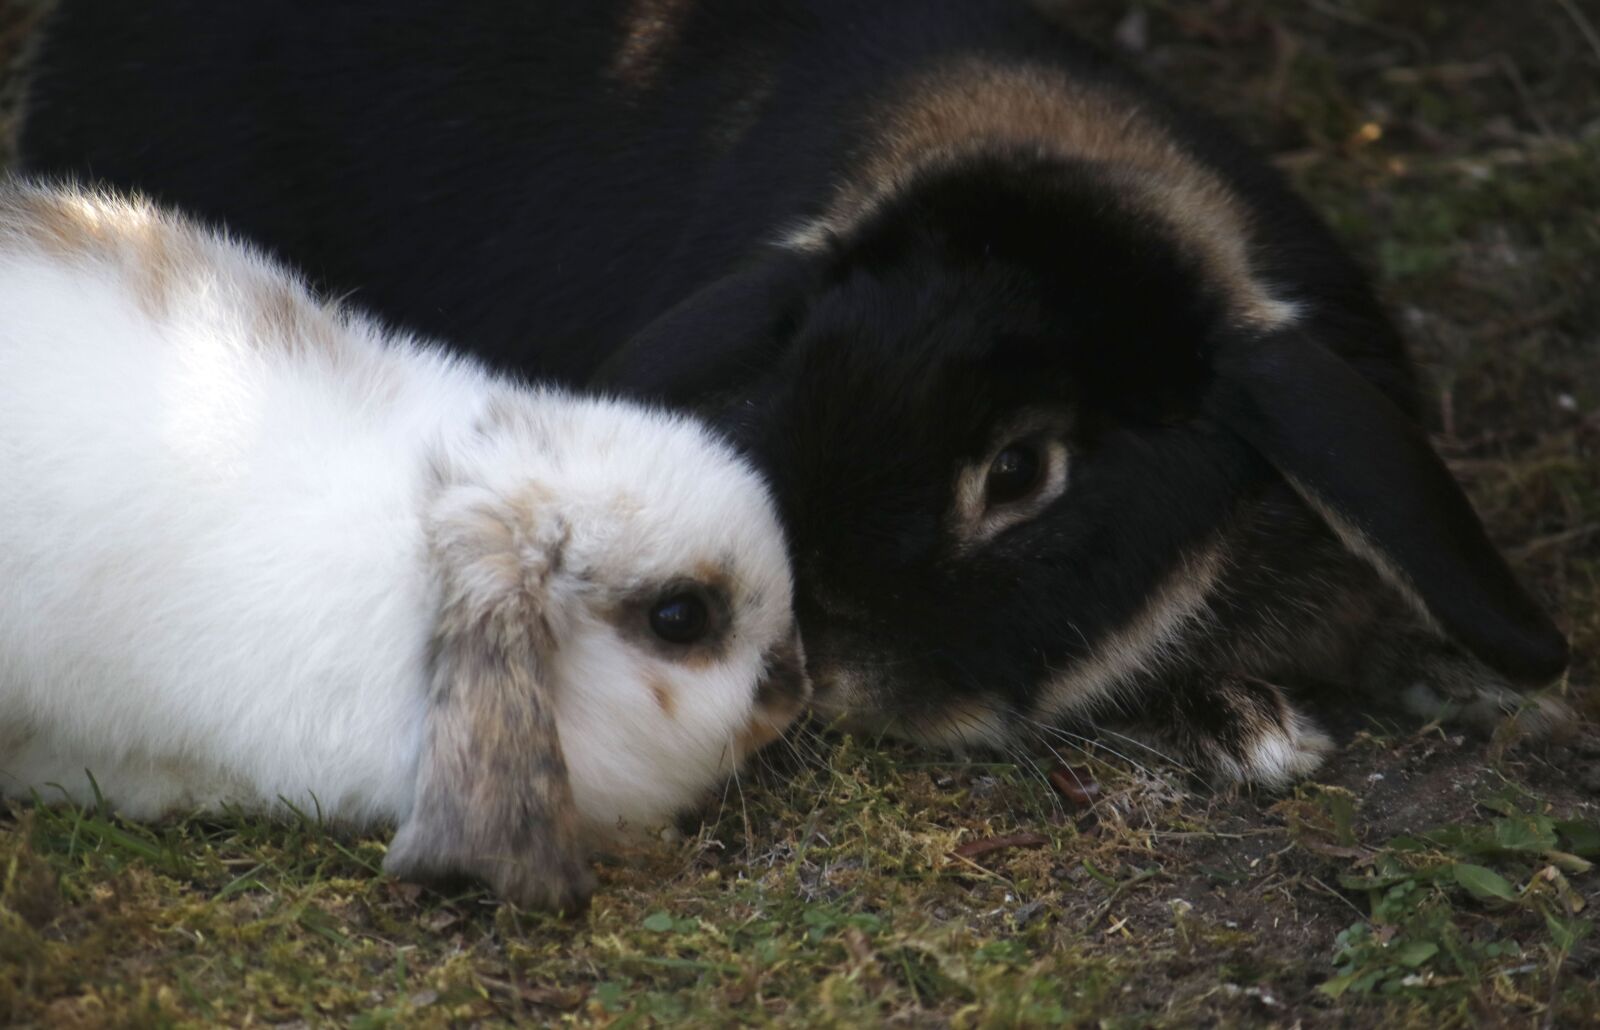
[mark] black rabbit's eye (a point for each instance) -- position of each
(680, 619)
(1013, 474)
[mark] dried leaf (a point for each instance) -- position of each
(985, 845)
(1075, 783)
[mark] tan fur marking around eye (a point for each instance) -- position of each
(1142, 643)
(649, 31)
(713, 574)
(971, 524)
(974, 107)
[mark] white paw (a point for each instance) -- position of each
(1281, 755)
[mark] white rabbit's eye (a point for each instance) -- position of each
(1013, 473)
(682, 618)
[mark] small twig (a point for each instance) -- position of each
(1140, 876)
(1566, 536)
(976, 848)
(1585, 26)
(1450, 73)
(982, 872)
(690, 964)
(548, 997)
(1325, 888)
(1535, 319)
(1285, 49)
(1351, 18)
(1514, 75)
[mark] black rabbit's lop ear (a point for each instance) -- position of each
(716, 338)
(1370, 472)
(492, 798)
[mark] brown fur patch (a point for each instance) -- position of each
(650, 30)
(161, 256)
(661, 690)
(714, 576)
(976, 107)
(502, 551)
(757, 735)
(284, 316)
(133, 234)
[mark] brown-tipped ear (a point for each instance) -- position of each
(1370, 471)
(492, 797)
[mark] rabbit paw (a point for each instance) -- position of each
(1279, 754)
(1238, 729)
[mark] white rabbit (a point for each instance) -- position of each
(255, 551)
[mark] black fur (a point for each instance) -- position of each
(483, 172)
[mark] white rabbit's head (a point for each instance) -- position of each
(616, 634)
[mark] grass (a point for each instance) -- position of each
(835, 891)
(1423, 879)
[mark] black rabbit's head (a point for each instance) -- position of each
(1022, 428)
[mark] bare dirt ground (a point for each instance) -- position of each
(1422, 878)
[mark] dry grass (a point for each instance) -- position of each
(1424, 879)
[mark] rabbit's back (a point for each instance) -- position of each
(210, 533)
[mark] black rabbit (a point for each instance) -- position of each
(1069, 404)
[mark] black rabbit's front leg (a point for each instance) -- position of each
(1234, 728)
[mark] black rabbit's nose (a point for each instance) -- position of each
(818, 605)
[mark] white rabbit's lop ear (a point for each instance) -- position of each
(493, 800)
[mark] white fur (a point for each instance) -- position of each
(1280, 756)
(215, 576)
